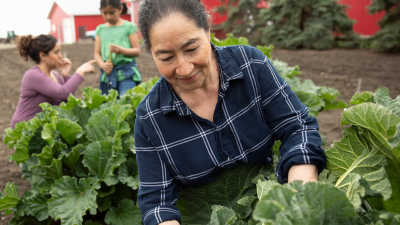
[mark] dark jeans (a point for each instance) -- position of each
(122, 86)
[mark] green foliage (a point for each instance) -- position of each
(298, 204)
(292, 24)
(231, 40)
(387, 39)
(83, 167)
(316, 98)
(80, 162)
(366, 161)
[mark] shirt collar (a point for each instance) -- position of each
(229, 70)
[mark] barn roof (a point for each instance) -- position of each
(77, 7)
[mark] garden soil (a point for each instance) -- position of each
(345, 70)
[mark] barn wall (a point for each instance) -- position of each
(90, 22)
(365, 23)
(56, 28)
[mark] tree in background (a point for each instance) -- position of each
(292, 24)
(388, 37)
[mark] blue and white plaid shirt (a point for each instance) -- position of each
(255, 107)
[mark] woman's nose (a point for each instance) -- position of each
(184, 67)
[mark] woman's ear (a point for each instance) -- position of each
(41, 55)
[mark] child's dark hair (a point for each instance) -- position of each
(30, 47)
(115, 4)
(152, 11)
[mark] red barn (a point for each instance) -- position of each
(71, 22)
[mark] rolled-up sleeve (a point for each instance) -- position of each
(157, 193)
(290, 122)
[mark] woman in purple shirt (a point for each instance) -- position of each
(47, 81)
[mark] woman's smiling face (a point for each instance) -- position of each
(181, 51)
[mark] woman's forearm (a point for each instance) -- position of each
(170, 222)
(305, 173)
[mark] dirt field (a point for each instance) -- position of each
(345, 70)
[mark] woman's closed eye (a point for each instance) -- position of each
(191, 49)
(166, 59)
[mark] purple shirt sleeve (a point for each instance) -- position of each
(38, 82)
(37, 88)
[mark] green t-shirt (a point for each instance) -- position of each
(118, 35)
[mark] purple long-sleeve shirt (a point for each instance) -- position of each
(37, 87)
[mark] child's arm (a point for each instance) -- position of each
(106, 66)
(134, 50)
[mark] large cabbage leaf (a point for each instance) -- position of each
(312, 203)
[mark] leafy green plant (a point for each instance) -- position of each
(366, 161)
(317, 98)
(80, 162)
(387, 39)
(292, 24)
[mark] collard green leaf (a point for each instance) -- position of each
(393, 203)
(387, 218)
(72, 198)
(101, 160)
(127, 174)
(222, 216)
(379, 120)
(9, 198)
(34, 204)
(125, 213)
(382, 97)
(311, 203)
(362, 97)
(93, 98)
(20, 137)
(351, 155)
(275, 201)
(352, 186)
(263, 187)
(75, 110)
(232, 184)
(70, 131)
(108, 121)
(71, 159)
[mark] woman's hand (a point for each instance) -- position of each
(305, 173)
(65, 67)
(86, 67)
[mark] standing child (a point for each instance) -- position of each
(116, 49)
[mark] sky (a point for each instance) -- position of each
(25, 17)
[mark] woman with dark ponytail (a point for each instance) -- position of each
(47, 81)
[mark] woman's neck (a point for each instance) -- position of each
(45, 69)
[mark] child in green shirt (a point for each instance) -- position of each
(116, 49)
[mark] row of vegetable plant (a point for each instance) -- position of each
(80, 161)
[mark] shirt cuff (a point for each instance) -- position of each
(79, 77)
(314, 157)
(161, 214)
